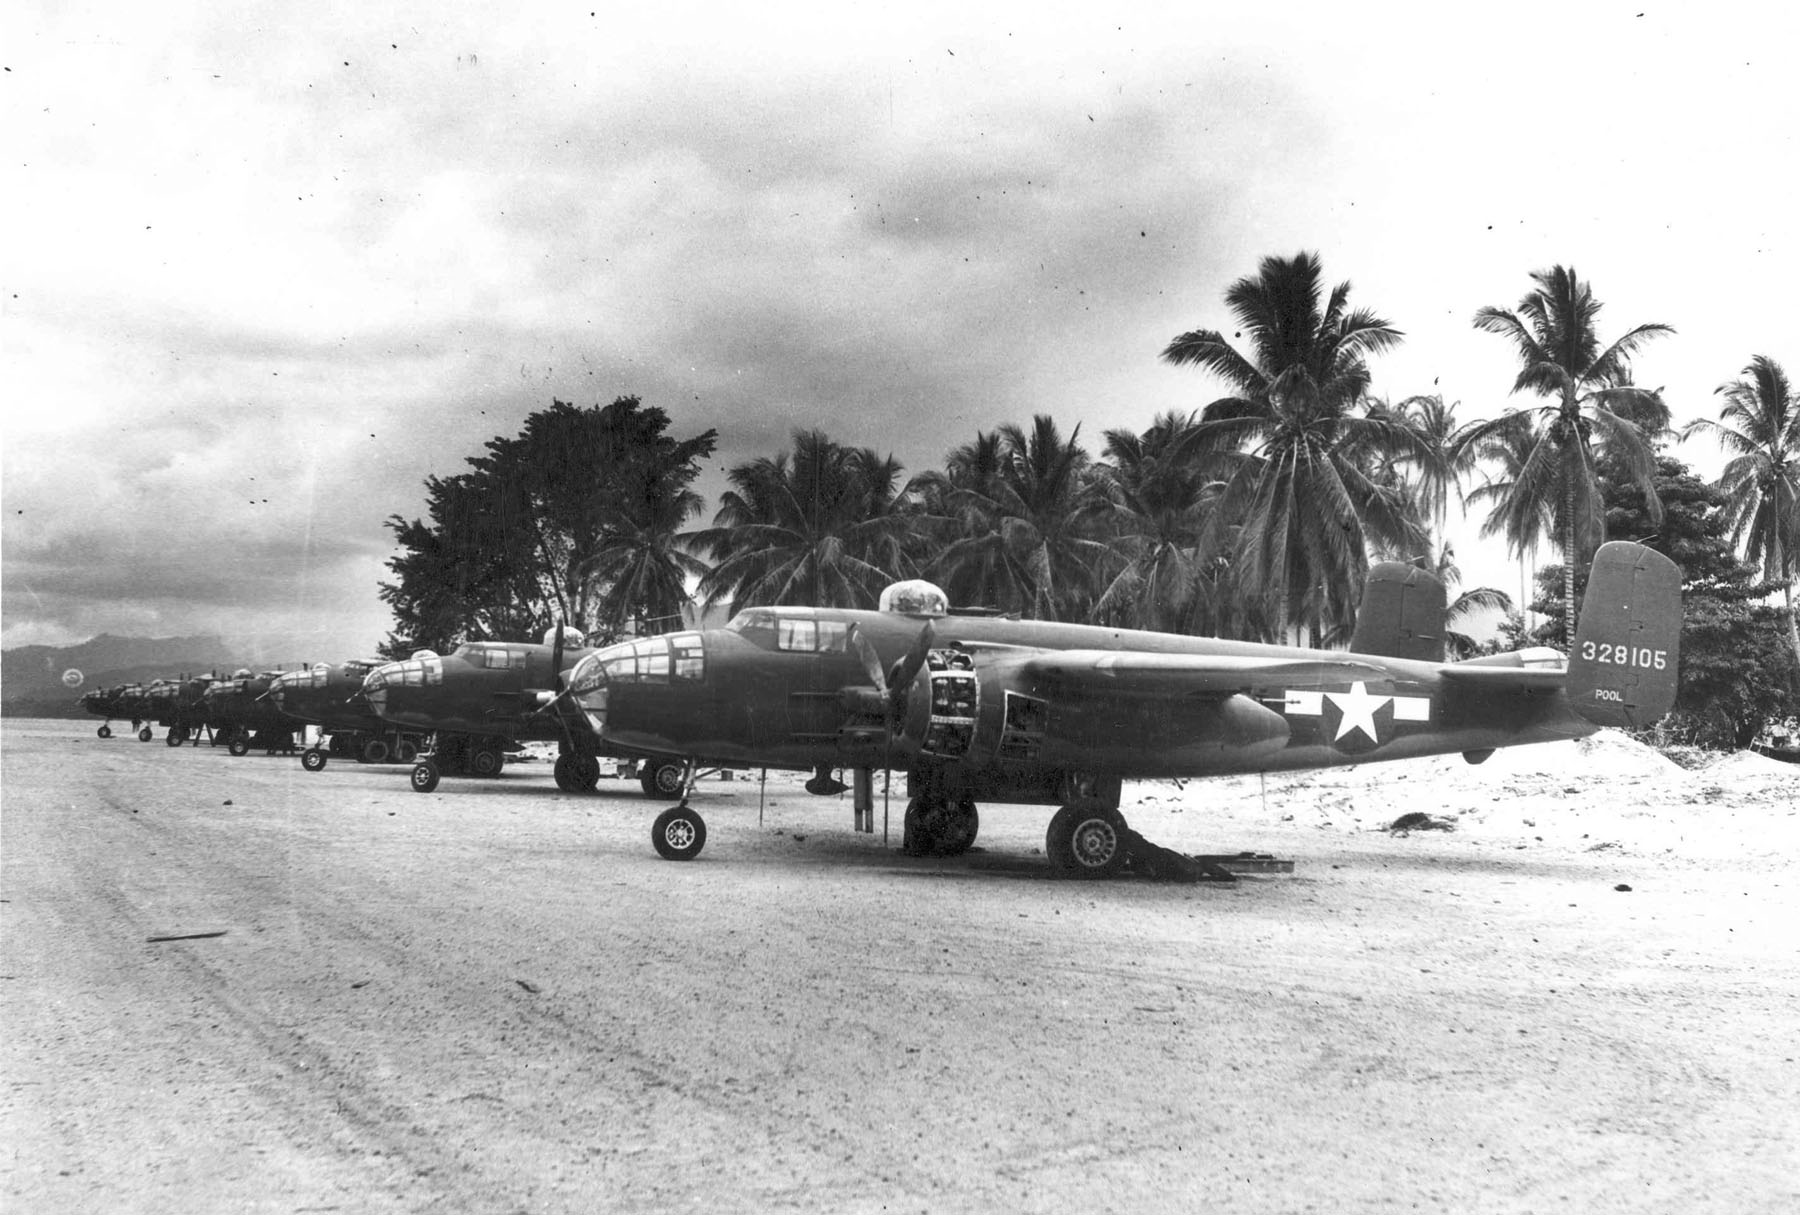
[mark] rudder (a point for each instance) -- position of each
(1627, 644)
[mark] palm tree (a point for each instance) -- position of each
(1025, 535)
(1433, 480)
(1592, 408)
(642, 562)
(1457, 643)
(1761, 428)
(1158, 508)
(825, 527)
(1306, 505)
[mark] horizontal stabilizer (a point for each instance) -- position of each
(1499, 679)
(1628, 641)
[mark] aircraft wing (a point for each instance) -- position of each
(1125, 673)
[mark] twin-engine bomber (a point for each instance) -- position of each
(979, 708)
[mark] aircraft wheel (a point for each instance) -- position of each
(105, 731)
(585, 773)
(405, 752)
(240, 745)
(939, 828)
(485, 761)
(564, 765)
(375, 751)
(678, 834)
(1086, 842)
(144, 734)
(958, 827)
(424, 776)
(662, 777)
(912, 830)
(312, 759)
(176, 736)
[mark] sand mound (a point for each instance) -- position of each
(1751, 765)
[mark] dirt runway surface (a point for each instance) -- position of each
(230, 985)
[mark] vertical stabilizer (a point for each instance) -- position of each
(1401, 614)
(1627, 644)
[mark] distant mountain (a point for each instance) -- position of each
(31, 676)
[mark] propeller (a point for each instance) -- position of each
(891, 685)
(556, 664)
(891, 688)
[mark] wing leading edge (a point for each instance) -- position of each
(1116, 673)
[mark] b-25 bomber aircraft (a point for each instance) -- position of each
(978, 708)
(180, 704)
(330, 696)
(121, 702)
(487, 697)
(242, 713)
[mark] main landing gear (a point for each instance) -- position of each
(1086, 841)
(461, 754)
(576, 773)
(1087, 837)
(939, 825)
(663, 778)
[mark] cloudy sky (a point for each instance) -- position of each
(270, 265)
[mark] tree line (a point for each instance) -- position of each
(1256, 517)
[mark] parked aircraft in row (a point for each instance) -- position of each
(971, 708)
(981, 709)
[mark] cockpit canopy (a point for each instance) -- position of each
(915, 597)
(573, 638)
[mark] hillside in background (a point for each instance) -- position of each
(31, 677)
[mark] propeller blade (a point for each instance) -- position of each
(871, 661)
(904, 672)
(909, 666)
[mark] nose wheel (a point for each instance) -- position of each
(678, 834)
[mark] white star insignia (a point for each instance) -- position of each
(1358, 708)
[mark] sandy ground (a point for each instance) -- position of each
(496, 998)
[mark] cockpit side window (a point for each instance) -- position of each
(499, 658)
(756, 627)
(690, 655)
(652, 660)
(804, 635)
(798, 635)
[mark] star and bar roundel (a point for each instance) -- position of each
(1354, 719)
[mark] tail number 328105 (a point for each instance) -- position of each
(1608, 654)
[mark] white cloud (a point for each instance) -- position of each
(335, 248)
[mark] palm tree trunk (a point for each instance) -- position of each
(1569, 568)
(1787, 593)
